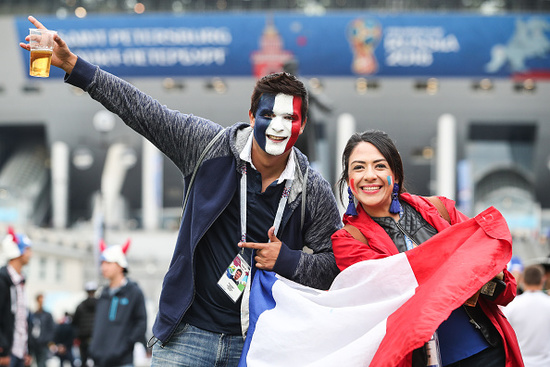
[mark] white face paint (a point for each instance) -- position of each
(281, 119)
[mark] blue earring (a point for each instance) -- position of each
(395, 206)
(351, 206)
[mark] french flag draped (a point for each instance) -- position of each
(376, 311)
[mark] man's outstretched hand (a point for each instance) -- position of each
(62, 56)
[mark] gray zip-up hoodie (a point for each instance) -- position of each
(182, 137)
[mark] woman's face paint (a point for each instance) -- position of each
(389, 180)
(278, 122)
(352, 186)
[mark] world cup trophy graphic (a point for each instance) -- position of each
(363, 36)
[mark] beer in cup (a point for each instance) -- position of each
(41, 42)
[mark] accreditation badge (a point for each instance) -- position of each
(233, 280)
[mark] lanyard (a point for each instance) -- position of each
(280, 208)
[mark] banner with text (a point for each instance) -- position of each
(338, 44)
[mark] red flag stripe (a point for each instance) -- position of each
(449, 267)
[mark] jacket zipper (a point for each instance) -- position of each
(113, 309)
(472, 321)
(194, 291)
(406, 234)
(192, 264)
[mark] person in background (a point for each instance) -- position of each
(64, 340)
(120, 318)
(546, 266)
(42, 331)
(14, 312)
(393, 221)
(515, 267)
(254, 200)
(529, 315)
(83, 322)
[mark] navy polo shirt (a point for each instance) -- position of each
(458, 338)
(212, 309)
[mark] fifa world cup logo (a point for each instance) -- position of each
(364, 36)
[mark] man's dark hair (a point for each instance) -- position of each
(279, 83)
(533, 274)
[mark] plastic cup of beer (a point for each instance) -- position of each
(41, 42)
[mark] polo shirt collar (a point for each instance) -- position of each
(288, 172)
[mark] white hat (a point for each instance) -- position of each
(90, 286)
(115, 254)
(14, 245)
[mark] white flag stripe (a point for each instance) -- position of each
(341, 327)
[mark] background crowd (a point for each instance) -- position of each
(103, 330)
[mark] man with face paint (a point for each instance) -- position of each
(277, 123)
(244, 209)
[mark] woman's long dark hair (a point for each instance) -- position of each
(387, 148)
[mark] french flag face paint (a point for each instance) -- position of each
(278, 121)
(352, 186)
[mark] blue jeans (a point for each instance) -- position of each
(41, 355)
(194, 347)
(16, 362)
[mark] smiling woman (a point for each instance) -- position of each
(373, 170)
(387, 221)
(370, 180)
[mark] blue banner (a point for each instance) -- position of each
(337, 44)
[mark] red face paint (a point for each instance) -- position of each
(352, 186)
(296, 123)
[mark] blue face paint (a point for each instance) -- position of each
(265, 108)
(389, 180)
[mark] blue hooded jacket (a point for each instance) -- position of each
(182, 138)
(120, 322)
